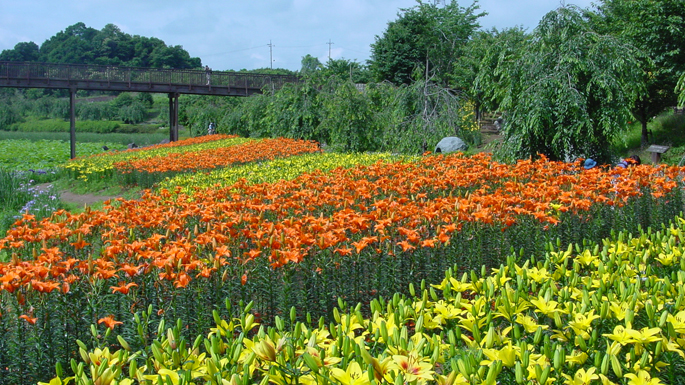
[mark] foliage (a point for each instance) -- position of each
(424, 113)
(424, 35)
(667, 128)
(44, 154)
(310, 64)
(476, 71)
(568, 93)
(350, 123)
(118, 139)
(347, 69)
(332, 110)
(303, 243)
(20, 195)
(295, 112)
(566, 316)
(59, 125)
(80, 44)
(654, 27)
(22, 51)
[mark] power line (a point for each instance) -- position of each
(237, 50)
(301, 46)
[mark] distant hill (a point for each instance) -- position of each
(79, 44)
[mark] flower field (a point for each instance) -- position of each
(147, 166)
(608, 313)
(332, 228)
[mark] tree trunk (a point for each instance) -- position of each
(645, 132)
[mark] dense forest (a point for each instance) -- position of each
(565, 89)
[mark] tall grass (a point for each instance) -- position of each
(139, 139)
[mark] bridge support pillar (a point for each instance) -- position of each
(173, 116)
(72, 120)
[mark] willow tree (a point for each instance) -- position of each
(567, 92)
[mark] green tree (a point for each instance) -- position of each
(347, 69)
(482, 54)
(73, 45)
(145, 98)
(310, 64)
(22, 52)
(657, 28)
(295, 112)
(79, 44)
(349, 119)
(568, 92)
(424, 35)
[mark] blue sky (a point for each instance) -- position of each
(234, 34)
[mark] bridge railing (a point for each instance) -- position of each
(116, 74)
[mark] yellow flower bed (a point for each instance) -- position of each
(275, 170)
(607, 314)
(103, 164)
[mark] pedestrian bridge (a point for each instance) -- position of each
(122, 79)
(173, 82)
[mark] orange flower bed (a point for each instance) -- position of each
(386, 208)
(265, 149)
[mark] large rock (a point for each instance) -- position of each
(451, 144)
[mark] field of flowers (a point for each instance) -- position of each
(145, 167)
(607, 313)
(352, 229)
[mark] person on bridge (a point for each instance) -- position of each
(208, 73)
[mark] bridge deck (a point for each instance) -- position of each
(113, 78)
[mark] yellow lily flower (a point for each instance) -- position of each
(581, 323)
(529, 323)
(446, 310)
(578, 359)
(265, 350)
(164, 374)
(619, 309)
(586, 258)
(620, 335)
(581, 377)
(413, 367)
(642, 378)
(506, 354)
(678, 321)
(546, 307)
(645, 335)
(352, 376)
(456, 285)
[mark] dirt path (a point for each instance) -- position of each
(80, 199)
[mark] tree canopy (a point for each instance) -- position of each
(79, 44)
(657, 28)
(424, 35)
(567, 92)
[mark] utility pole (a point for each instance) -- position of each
(329, 48)
(271, 54)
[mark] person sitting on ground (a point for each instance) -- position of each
(632, 160)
